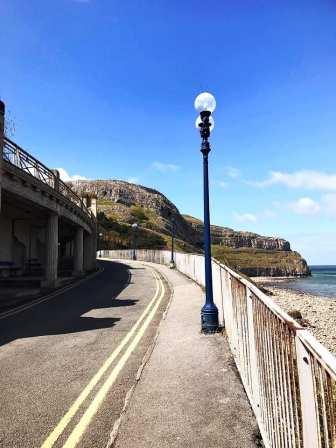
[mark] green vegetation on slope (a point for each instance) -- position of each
(119, 235)
(260, 261)
(140, 214)
(146, 218)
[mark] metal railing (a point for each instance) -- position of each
(289, 377)
(15, 155)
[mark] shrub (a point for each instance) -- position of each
(139, 213)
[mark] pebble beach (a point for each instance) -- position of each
(318, 313)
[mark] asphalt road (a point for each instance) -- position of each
(67, 364)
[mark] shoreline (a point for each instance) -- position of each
(316, 313)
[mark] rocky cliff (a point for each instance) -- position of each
(236, 239)
(263, 262)
(120, 202)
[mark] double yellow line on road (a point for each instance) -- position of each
(137, 331)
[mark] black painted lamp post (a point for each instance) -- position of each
(100, 244)
(134, 230)
(205, 104)
(172, 261)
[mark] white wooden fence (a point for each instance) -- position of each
(289, 377)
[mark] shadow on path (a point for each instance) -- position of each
(64, 313)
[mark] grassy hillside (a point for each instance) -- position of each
(256, 262)
(117, 230)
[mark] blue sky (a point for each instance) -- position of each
(105, 89)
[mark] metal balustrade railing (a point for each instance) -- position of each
(289, 377)
(15, 155)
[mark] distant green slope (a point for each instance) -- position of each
(151, 234)
(261, 262)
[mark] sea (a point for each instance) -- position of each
(321, 283)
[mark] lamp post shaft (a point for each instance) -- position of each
(207, 233)
(134, 244)
(172, 261)
(209, 313)
(99, 244)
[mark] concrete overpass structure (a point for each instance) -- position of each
(44, 226)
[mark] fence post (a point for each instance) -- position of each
(2, 131)
(255, 391)
(307, 397)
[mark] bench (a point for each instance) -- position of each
(8, 269)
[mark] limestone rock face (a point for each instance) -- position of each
(125, 193)
(298, 267)
(118, 196)
(257, 242)
(235, 239)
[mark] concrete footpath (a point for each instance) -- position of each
(189, 393)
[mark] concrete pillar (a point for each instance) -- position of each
(90, 251)
(51, 250)
(2, 131)
(78, 252)
(86, 266)
(94, 247)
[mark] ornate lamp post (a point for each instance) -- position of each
(205, 104)
(100, 244)
(172, 261)
(134, 231)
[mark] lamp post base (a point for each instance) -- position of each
(209, 319)
(172, 265)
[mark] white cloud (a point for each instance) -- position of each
(232, 172)
(325, 206)
(305, 206)
(65, 176)
(254, 217)
(222, 184)
(310, 180)
(245, 217)
(165, 167)
(133, 180)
